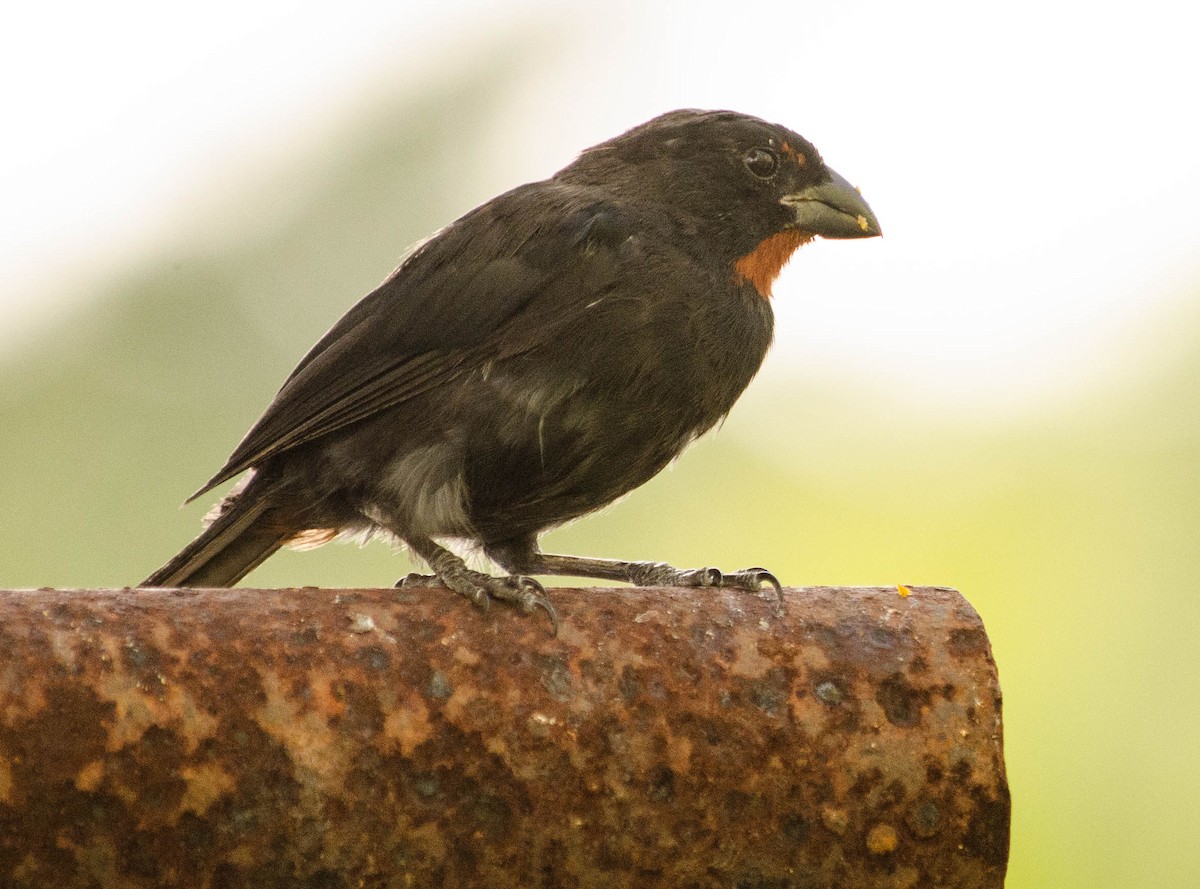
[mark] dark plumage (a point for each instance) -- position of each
(536, 359)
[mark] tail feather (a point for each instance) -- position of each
(243, 533)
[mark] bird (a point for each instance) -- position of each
(534, 361)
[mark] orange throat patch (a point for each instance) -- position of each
(762, 265)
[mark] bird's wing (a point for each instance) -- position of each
(537, 253)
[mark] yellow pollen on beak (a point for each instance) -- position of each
(862, 222)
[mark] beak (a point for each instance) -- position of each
(833, 209)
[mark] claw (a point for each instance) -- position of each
(524, 581)
(543, 602)
(756, 577)
(481, 600)
(535, 597)
(415, 579)
(528, 594)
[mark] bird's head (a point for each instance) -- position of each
(752, 190)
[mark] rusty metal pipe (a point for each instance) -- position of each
(388, 738)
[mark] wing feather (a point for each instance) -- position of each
(534, 254)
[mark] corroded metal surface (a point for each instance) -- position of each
(389, 738)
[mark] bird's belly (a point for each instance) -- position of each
(521, 444)
(551, 452)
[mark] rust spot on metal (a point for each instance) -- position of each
(829, 692)
(882, 839)
(316, 738)
(968, 642)
(900, 701)
(924, 818)
(835, 820)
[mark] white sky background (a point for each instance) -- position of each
(1035, 166)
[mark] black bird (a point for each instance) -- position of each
(535, 360)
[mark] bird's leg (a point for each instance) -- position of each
(525, 557)
(654, 573)
(524, 592)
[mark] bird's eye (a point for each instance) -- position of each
(762, 162)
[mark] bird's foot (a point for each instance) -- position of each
(662, 574)
(523, 592)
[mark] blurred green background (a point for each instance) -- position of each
(1069, 520)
